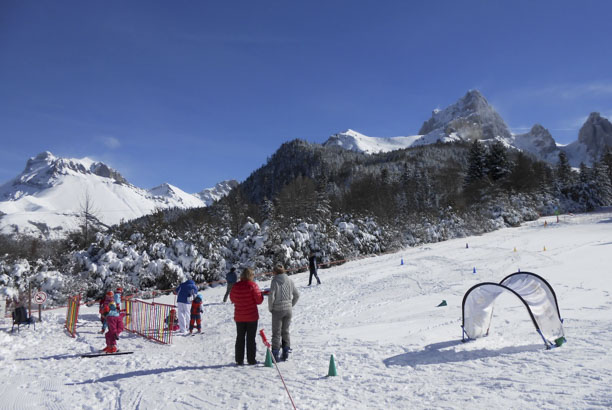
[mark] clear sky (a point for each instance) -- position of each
(195, 92)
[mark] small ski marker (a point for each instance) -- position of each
(98, 354)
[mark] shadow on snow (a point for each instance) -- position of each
(433, 354)
(137, 373)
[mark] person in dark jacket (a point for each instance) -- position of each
(246, 295)
(185, 293)
(230, 278)
(313, 265)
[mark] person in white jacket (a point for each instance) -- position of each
(281, 299)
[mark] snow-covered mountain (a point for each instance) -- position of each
(473, 118)
(539, 142)
(593, 138)
(470, 118)
(210, 195)
(354, 141)
(176, 195)
(48, 197)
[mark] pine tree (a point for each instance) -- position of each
(564, 174)
(522, 175)
(584, 189)
(602, 183)
(606, 159)
(497, 161)
(476, 163)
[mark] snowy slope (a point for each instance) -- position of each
(394, 348)
(47, 198)
(176, 195)
(354, 141)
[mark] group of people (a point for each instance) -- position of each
(189, 305)
(245, 294)
(282, 296)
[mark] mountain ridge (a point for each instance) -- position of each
(471, 117)
(47, 197)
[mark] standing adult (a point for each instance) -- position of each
(185, 293)
(246, 295)
(230, 278)
(281, 299)
(313, 265)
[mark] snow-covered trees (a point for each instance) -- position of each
(307, 197)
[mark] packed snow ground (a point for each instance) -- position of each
(394, 348)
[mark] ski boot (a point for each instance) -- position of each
(286, 351)
(276, 353)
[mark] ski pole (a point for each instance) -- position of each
(265, 342)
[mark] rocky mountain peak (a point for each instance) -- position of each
(210, 195)
(103, 170)
(537, 141)
(470, 118)
(473, 100)
(596, 133)
(43, 169)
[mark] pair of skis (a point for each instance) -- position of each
(103, 353)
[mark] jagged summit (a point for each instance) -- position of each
(596, 133)
(470, 118)
(43, 171)
(210, 195)
(539, 142)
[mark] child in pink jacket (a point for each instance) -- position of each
(114, 320)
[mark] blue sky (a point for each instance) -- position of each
(195, 92)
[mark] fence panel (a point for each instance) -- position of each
(155, 321)
(72, 314)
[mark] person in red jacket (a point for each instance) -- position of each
(246, 295)
(196, 314)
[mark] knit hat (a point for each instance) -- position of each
(109, 293)
(119, 290)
